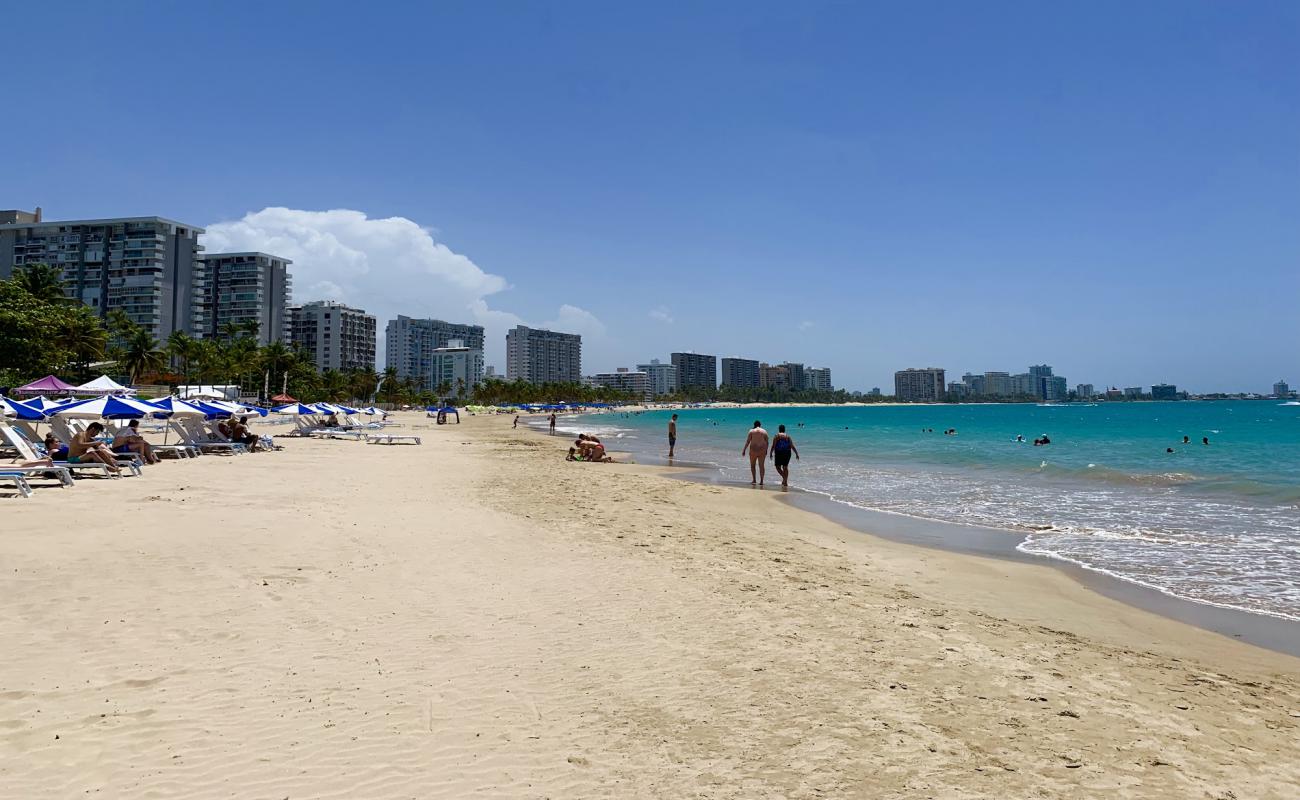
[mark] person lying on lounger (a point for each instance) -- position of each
(85, 448)
(128, 440)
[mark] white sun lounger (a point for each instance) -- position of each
(29, 452)
(19, 480)
(62, 474)
(194, 435)
(66, 431)
(389, 438)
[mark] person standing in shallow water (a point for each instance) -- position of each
(782, 447)
(672, 435)
(552, 421)
(756, 446)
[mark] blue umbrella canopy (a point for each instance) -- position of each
(174, 405)
(297, 409)
(107, 408)
(15, 408)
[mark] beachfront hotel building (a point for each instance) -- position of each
(240, 288)
(541, 356)
(1085, 391)
(1281, 389)
(458, 367)
(1164, 391)
(148, 267)
(818, 379)
(773, 377)
(662, 377)
(740, 372)
(919, 385)
(410, 345)
(625, 380)
(337, 336)
(696, 371)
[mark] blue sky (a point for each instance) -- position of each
(1111, 188)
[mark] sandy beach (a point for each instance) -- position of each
(475, 616)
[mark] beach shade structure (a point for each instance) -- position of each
(43, 403)
(20, 410)
(297, 409)
(283, 398)
(204, 393)
(47, 385)
(108, 407)
(175, 406)
(101, 386)
(258, 410)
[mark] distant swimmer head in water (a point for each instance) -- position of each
(1187, 440)
(1205, 440)
(1169, 449)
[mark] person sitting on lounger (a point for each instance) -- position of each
(85, 448)
(240, 433)
(56, 449)
(332, 421)
(128, 441)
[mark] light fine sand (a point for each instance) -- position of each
(477, 617)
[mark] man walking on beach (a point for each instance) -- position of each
(756, 445)
(552, 421)
(672, 435)
(782, 446)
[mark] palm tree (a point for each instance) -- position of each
(41, 281)
(83, 337)
(142, 355)
(181, 346)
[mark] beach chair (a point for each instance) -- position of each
(390, 438)
(66, 429)
(29, 451)
(161, 450)
(61, 474)
(194, 434)
(19, 481)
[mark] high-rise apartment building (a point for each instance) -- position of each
(1164, 391)
(919, 385)
(624, 380)
(797, 378)
(741, 373)
(1085, 391)
(1281, 389)
(662, 377)
(696, 371)
(818, 379)
(337, 336)
(774, 377)
(240, 288)
(456, 368)
(542, 356)
(148, 267)
(409, 345)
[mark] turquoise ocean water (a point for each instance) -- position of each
(1216, 524)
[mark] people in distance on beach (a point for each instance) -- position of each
(782, 447)
(672, 435)
(756, 446)
(551, 420)
(85, 448)
(128, 441)
(1042, 440)
(516, 425)
(331, 421)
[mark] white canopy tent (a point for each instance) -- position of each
(102, 385)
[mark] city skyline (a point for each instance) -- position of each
(867, 186)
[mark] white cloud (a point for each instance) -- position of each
(386, 266)
(662, 314)
(805, 325)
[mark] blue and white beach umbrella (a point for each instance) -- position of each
(45, 404)
(106, 408)
(175, 406)
(297, 409)
(16, 408)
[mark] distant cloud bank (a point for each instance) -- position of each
(387, 267)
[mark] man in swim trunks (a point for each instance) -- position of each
(782, 446)
(672, 435)
(756, 446)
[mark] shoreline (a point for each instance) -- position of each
(1275, 633)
